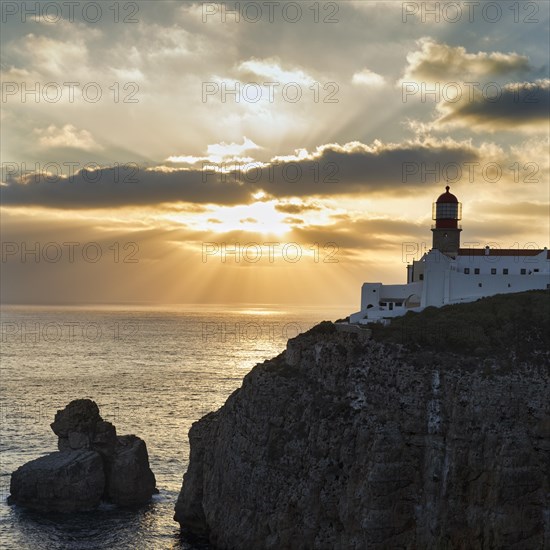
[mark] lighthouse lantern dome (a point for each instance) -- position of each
(447, 210)
(447, 196)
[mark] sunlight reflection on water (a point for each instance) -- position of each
(152, 374)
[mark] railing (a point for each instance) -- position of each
(458, 226)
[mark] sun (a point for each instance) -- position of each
(260, 217)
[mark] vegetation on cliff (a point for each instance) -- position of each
(512, 325)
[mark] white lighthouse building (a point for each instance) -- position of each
(448, 274)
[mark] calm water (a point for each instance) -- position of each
(152, 373)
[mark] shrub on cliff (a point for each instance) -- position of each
(516, 325)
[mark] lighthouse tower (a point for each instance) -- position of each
(448, 274)
(446, 212)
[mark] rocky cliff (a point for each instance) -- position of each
(349, 442)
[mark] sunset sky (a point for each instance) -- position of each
(337, 158)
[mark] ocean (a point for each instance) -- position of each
(153, 372)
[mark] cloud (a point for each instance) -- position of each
(331, 170)
(524, 209)
(293, 208)
(187, 159)
(439, 62)
(518, 106)
(54, 58)
(220, 152)
(223, 150)
(67, 136)
(359, 169)
(270, 70)
(368, 78)
(116, 187)
(354, 236)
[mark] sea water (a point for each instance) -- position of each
(153, 372)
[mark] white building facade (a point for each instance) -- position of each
(448, 274)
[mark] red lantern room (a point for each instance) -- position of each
(447, 211)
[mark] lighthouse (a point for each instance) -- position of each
(446, 212)
(448, 274)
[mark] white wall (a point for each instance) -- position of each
(514, 264)
(445, 282)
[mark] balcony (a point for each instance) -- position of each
(458, 226)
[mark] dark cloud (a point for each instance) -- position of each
(523, 105)
(438, 62)
(296, 208)
(352, 169)
(106, 188)
(356, 169)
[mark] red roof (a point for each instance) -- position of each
(502, 252)
(447, 197)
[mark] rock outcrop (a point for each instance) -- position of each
(60, 482)
(80, 426)
(345, 442)
(130, 481)
(92, 464)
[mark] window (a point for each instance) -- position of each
(493, 271)
(398, 304)
(446, 211)
(479, 285)
(505, 271)
(536, 270)
(476, 270)
(523, 271)
(467, 270)
(421, 276)
(509, 285)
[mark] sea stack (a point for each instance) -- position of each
(92, 464)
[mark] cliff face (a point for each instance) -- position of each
(347, 443)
